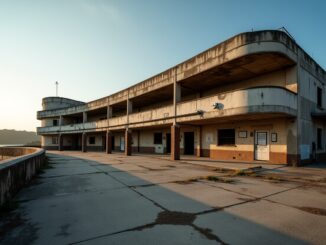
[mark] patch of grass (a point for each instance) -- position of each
(219, 179)
(185, 182)
(244, 172)
(313, 210)
(222, 170)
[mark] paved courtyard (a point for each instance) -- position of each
(94, 198)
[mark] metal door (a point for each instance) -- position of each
(261, 145)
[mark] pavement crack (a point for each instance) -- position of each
(66, 175)
(167, 218)
(133, 189)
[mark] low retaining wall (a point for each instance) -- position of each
(16, 172)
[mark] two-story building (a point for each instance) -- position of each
(255, 96)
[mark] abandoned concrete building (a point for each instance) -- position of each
(256, 96)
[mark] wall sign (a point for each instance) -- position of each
(209, 138)
(274, 137)
(242, 134)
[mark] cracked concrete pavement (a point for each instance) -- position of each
(94, 198)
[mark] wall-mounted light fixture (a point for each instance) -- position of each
(218, 106)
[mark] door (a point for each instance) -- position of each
(122, 143)
(261, 145)
(112, 142)
(168, 143)
(189, 143)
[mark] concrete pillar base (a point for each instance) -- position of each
(84, 142)
(175, 142)
(128, 142)
(108, 142)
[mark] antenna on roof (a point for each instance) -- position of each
(286, 31)
(56, 88)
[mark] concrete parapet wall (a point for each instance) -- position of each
(16, 172)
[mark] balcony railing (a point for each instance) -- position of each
(253, 100)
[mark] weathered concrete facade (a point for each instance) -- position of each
(256, 96)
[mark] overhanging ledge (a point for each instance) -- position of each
(318, 115)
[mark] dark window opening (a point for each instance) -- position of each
(91, 140)
(54, 140)
(55, 122)
(319, 97)
(319, 138)
(157, 138)
(226, 137)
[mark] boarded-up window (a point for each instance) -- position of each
(226, 136)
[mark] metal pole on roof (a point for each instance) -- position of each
(56, 88)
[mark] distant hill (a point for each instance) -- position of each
(8, 136)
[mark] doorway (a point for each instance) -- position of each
(168, 143)
(261, 145)
(112, 143)
(122, 143)
(189, 143)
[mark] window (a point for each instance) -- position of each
(54, 140)
(226, 137)
(157, 138)
(91, 140)
(55, 122)
(319, 97)
(319, 138)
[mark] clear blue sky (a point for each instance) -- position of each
(97, 47)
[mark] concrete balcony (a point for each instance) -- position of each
(271, 100)
(262, 100)
(81, 127)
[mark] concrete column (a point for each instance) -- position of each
(60, 143)
(175, 142)
(60, 121)
(109, 112)
(128, 142)
(108, 142)
(84, 117)
(84, 142)
(129, 106)
(176, 98)
(199, 149)
(129, 109)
